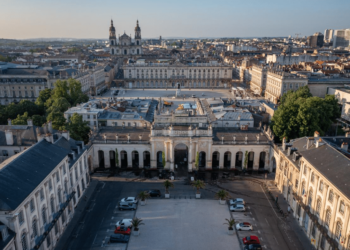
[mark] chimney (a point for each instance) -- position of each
(49, 137)
(284, 144)
(316, 135)
(49, 125)
(65, 134)
(345, 146)
(9, 137)
(45, 128)
(9, 122)
(30, 122)
(308, 143)
(318, 142)
(289, 151)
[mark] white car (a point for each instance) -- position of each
(237, 201)
(244, 226)
(124, 223)
(237, 208)
(129, 199)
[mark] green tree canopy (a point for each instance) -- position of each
(44, 95)
(78, 129)
(21, 119)
(301, 114)
(58, 120)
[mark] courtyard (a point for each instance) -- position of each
(183, 224)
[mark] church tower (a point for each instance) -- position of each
(112, 38)
(137, 34)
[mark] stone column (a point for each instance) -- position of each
(267, 161)
(153, 157)
(166, 149)
(256, 160)
(190, 160)
(209, 155)
(141, 160)
(221, 159)
(346, 224)
(335, 208)
(324, 202)
(172, 155)
(129, 154)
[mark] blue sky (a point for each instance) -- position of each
(178, 18)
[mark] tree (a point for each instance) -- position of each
(59, 105)
(116, 158)
(163, 159)
(38, 120)
(167, 185)
(301, 114)
(44, 95)
(21, 119)
(143, 195)
(58, 120)
(78, 129)
(196, 164)
(222, 194)
(230, 223)
(198, 184)
(136, 222)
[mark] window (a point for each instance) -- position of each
(66, 187)
(80, 169)
(338, 229)
(305, 170)
(312, 178)
(41, 194)
(313, 231)
(20, 218)
(35, 228)
(64, 168)
(323, 242)
(63, 217)
(5, 153)
(71, 179)
(52, 204)
(342, 207)
(24, 241)
(59, 194)
(56, 228)
(76, 173)
(318, 207)
(330, 196)
(296, 183)
(43, 215)
(50, 185)
(310, 198)
(57, 176)
(31, 205)
(321, 186)
(327, 219)
(48, 240)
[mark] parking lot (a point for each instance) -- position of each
(183, 224)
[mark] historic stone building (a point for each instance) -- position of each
(124, 46)
(167, 74)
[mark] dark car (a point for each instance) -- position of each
(253, 247)
(127, 206)
(119, 238)
(251, 240)
(154, 193)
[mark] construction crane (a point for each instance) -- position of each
(297, 35)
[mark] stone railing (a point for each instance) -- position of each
(189, 133)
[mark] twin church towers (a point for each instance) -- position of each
(124, 45)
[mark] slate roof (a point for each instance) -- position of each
(11, 235)
(332, 164)
(22, 173)
(27, 133)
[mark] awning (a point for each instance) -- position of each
(50, 225)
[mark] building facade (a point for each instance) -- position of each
(167, 75)
(312, 175)
(258, 79)
(124, 46)
(341, 38)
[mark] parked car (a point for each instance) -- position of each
(119, 238)
(154, 193)
(237, 201)
(122, 230)
(193, 96)
(244, 226)
(251, 240)
(253, 247)
(129, 199)
(237, 208)
(124, 223)
(127, 206)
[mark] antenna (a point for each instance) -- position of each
(297, 35)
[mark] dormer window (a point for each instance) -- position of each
(4, 232)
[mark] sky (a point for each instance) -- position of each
(23, 19)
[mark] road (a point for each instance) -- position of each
(101, 214)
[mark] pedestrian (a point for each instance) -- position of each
(288, 209)
(276, 199)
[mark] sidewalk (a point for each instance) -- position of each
(79, 212)
(291, 222)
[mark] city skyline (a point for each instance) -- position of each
(195, 19)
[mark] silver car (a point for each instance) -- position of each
(237, 201)
(237, 208)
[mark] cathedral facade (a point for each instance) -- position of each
(124, 46)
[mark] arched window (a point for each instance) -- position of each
(24, 241)
(321, 186)
(43, 215)
(35, 228)
(338, 229)
(330, 196)
(52, 204)
(59, 195)
(310, 197)
(318, 206)
(342, 207)
(312, 178)
(327, 219)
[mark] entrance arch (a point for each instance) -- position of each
(273, 164)
(250, 160)
(123, 159)
(112, 158)
(202, 160)
(216, 160)
(239, 157)
(101, 159)
(227, 160)
(262, 160)
(181, 156)
(146, 159)
(135, 159)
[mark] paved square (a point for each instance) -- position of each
(183, 224)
